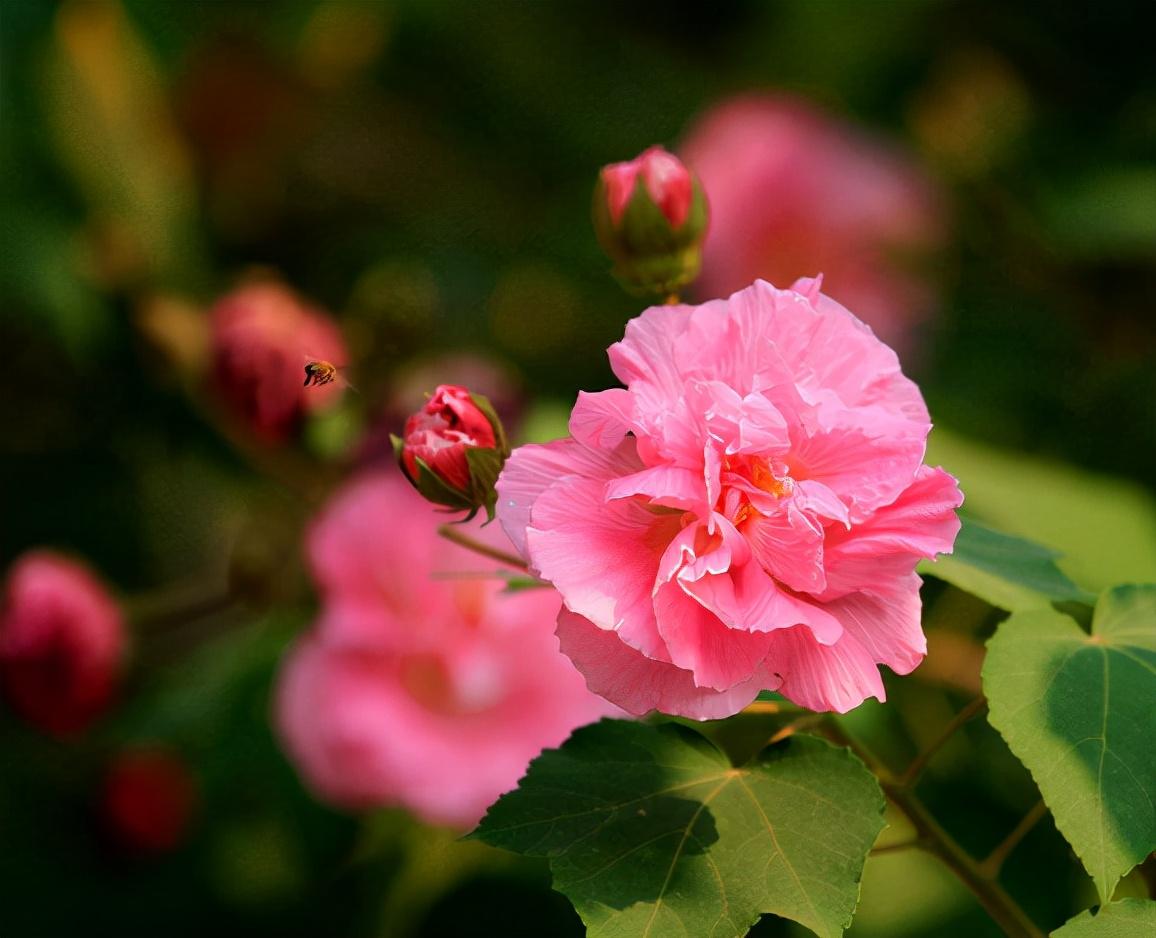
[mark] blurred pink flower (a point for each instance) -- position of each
(61, 643)
(440, 433)
(148, 798)
(746, 514)
(793, 191)
(262, 336)
(422, 684)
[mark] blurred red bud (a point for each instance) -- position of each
(453, 449)
(61, 643)
(147, 799)
(262, 338)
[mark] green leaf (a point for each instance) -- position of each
(1006, 571)
(1129, 918)
(651, 832)
(1077, 710)
(1105, 527)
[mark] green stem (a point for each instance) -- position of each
(932, 837)
(919, 763)
(456, 536)
(994, 861)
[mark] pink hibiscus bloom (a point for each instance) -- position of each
(423, 683)
(793, 191)
(746, 514)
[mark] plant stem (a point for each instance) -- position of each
(993, 862)
(897, 847)
(932, 837)
(455, 536)
(919, 763)
(1003, 909)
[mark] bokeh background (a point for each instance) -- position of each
(422, 169)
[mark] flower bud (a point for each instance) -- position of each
(61, 643)
(650, 215)
(262, 336)
(147, 799)
(453, 449)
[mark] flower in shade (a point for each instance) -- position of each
(650, 217)
(61, 643)
(262, 338)
(746, 514)
(793, 191)
(148, 798)
(424, 683)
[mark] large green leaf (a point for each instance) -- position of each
(1004, 570)
(1079, 711)
(1129, 918)
(651, 832)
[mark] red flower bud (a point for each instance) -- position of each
(668, 183)
(262, 338)
(453, 449)
(650, 216)
(61, 643)
(148, 799)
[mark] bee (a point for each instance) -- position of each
(318, 373)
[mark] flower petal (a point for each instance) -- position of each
(887, 623)
(602, 557)
(533, 468)
(920, 523)
(698, 641)
(601, 419)
(835, 677)
(639, 684)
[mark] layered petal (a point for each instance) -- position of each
(602, 556)
(532, 469)
(639, 684)
(835, 677)
(920, 523)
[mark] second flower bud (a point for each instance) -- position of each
(650, 215)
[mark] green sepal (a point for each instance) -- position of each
(650, 255)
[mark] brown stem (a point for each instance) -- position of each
(932, 837)
(993, 862)
(456, 536)
(1003, 909)
(919, 763)
(897, 847)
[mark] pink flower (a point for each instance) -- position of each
(793, 191)
(440, 433)
(61, 643)
(746, 514)
(148, 799)
(422, 684)
(668, 183)
(262, 338)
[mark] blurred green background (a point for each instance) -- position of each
(423, 169)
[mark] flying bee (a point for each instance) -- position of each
(319, 372)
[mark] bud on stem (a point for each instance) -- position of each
(453, 449)
(650, 215)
